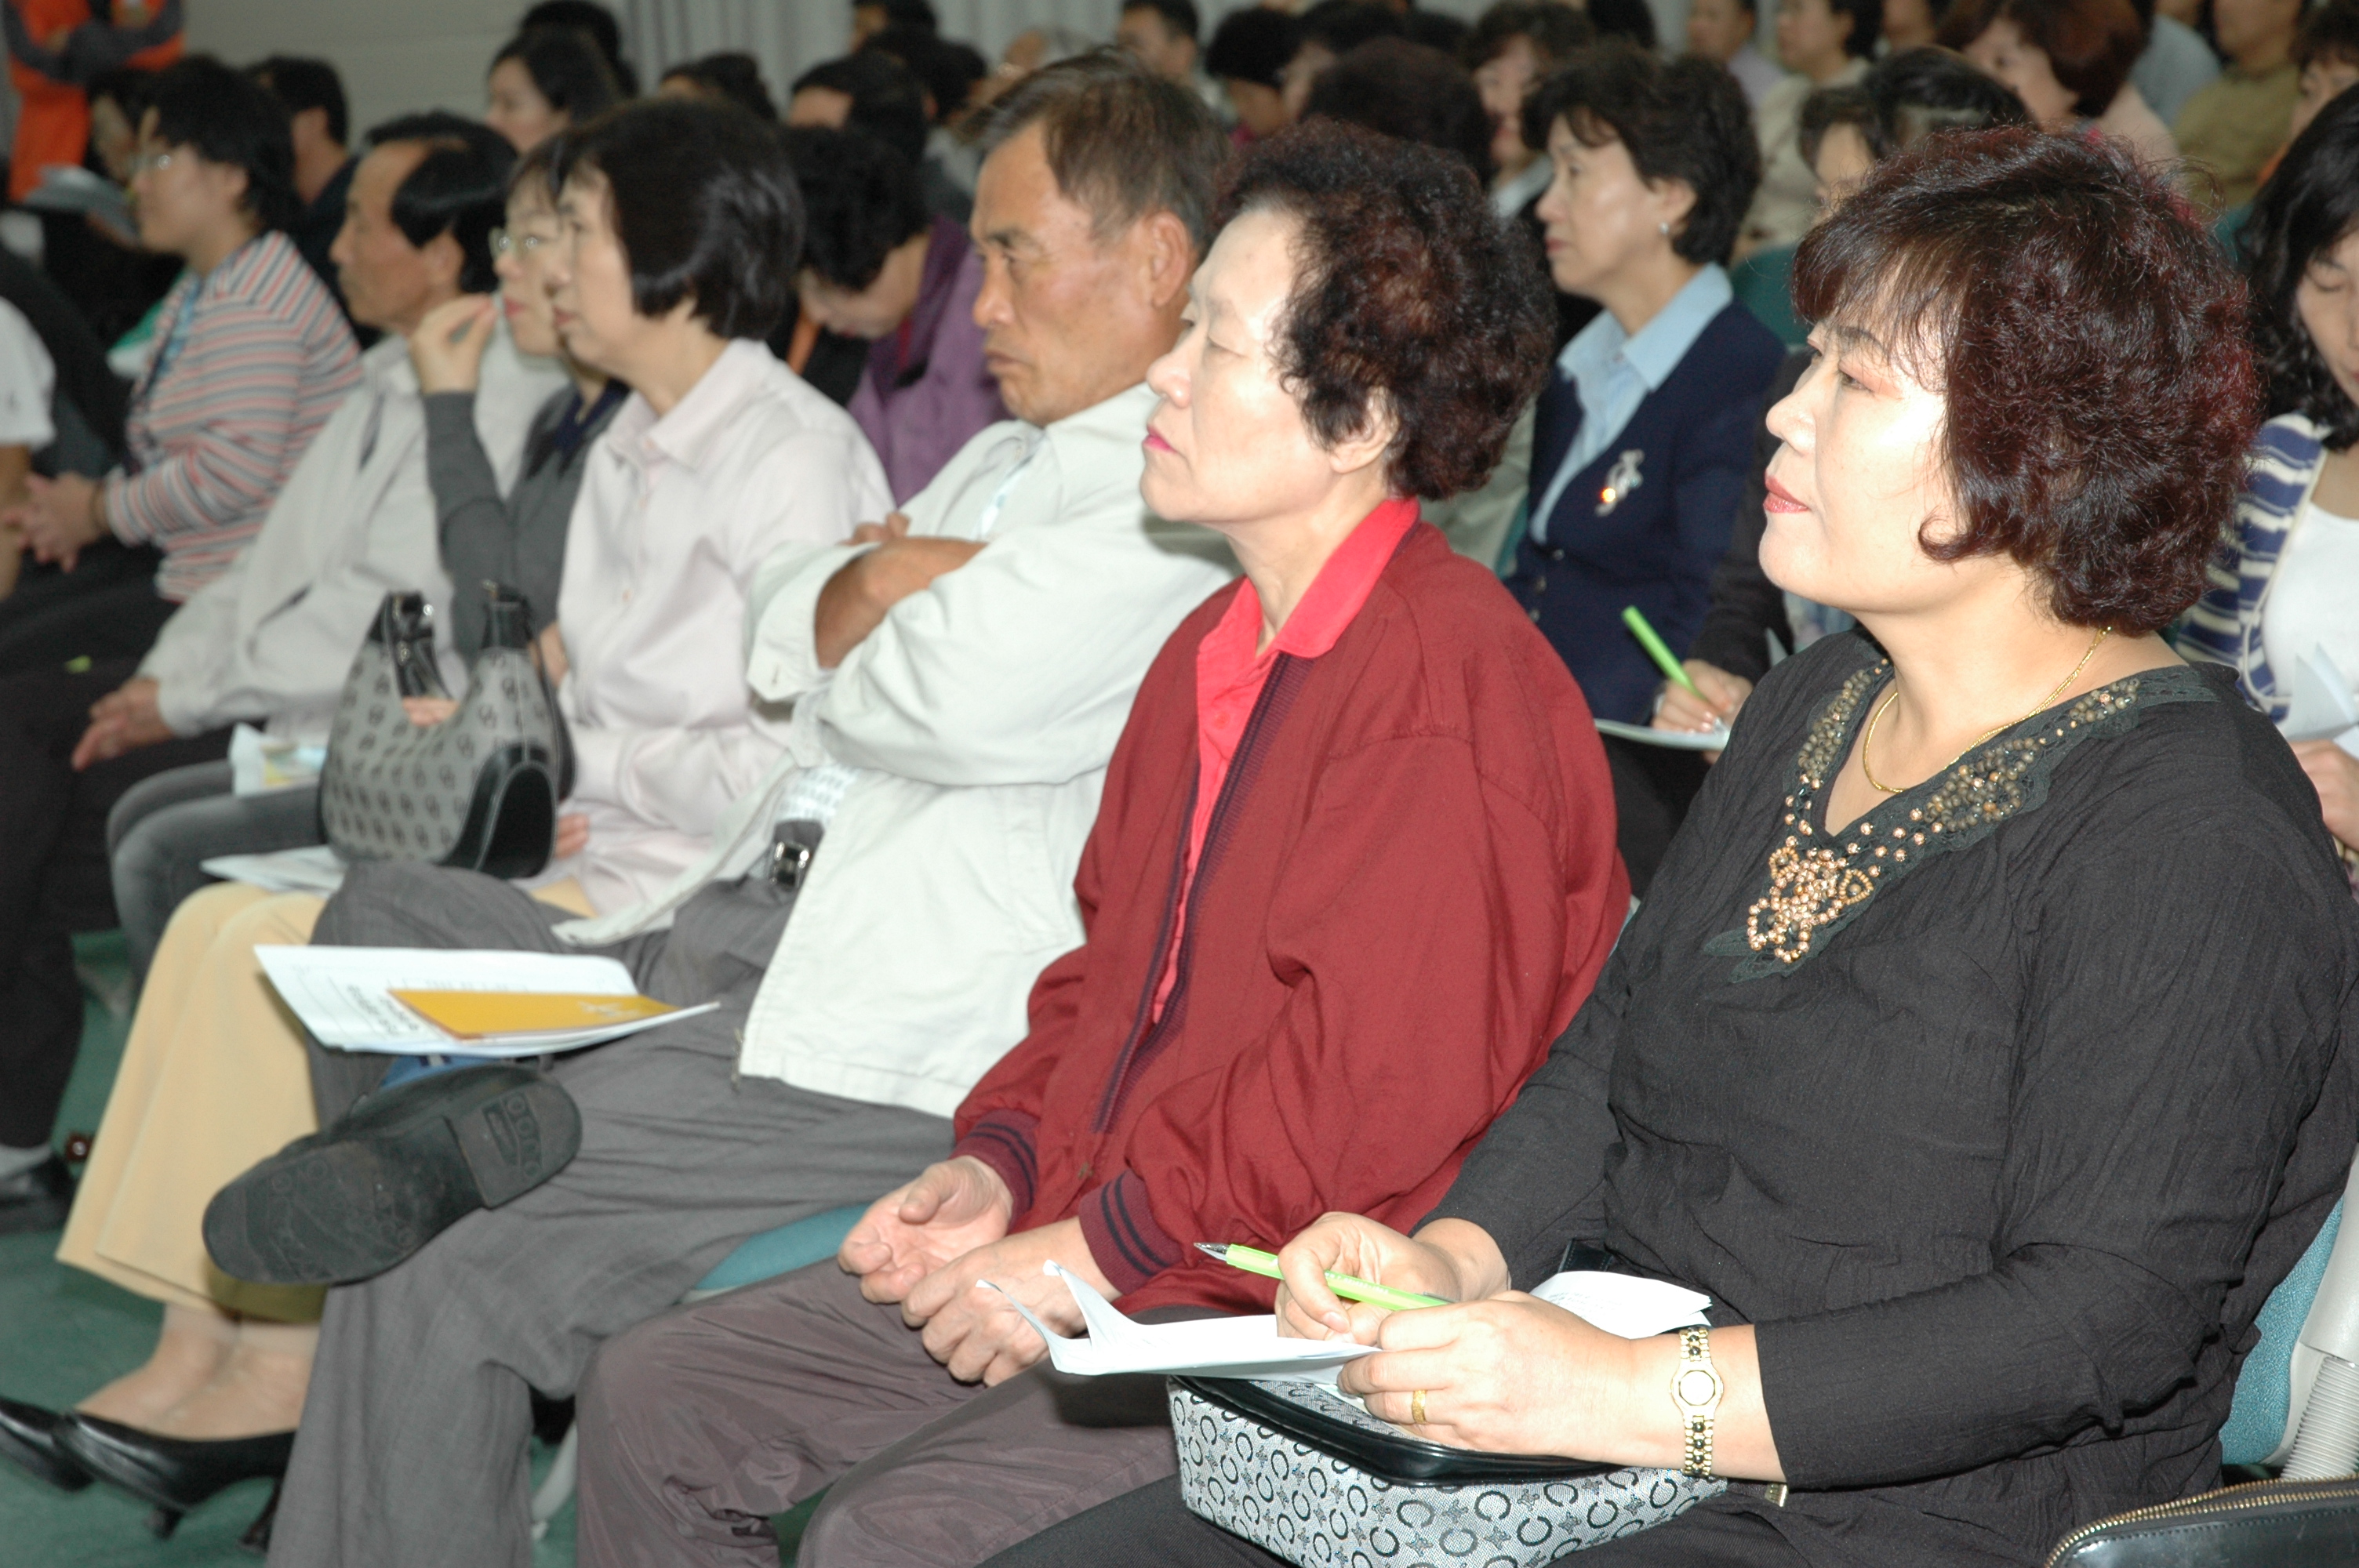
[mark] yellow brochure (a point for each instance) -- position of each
(477, 1015)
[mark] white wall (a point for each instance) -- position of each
(394, 57)
(422, 54)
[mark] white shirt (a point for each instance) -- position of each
(1509, 196)
(272, 638)
(981, 715)
(2309, 599)
(27, 377)
(673, 516)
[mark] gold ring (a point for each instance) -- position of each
(1417, 1408)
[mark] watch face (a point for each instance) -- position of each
(1698, 1387)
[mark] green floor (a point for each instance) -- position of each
(62, 1332)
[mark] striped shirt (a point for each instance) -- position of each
(252, 357)
(2224, 625)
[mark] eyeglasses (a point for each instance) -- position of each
(511, 242)
(159, 162)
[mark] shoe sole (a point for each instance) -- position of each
(402, 1169)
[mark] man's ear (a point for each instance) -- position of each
(308, 124)
(235, 182)
(1168, 253)
(446, 260)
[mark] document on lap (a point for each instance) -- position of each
(488, 1004)
(1208, 1347)
(2322, 706)
(312, 869)
(1713, 740)
(1624, 1304)
(1251, 1347)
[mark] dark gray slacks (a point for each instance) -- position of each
(163, 829)
(413, 1446)
(699, 1424)
(1151, 1528)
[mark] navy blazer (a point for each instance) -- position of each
(1677, 474)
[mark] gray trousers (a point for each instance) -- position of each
(163, 829)
(698, 1425)
(414, 1439)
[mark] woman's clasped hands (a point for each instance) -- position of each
(1499, 1370)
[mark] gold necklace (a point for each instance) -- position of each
(2053, 693)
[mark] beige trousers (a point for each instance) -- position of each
(213, 1081)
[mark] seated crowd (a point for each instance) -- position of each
(1253, 640)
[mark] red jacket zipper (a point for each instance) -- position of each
(1145, 1042)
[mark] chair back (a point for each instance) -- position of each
(2309, 1321)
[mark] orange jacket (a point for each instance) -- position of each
(53, 114)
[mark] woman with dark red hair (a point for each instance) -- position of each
(2070, 61)
(1983, 1049)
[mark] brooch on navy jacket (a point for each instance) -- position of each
(1621, 480)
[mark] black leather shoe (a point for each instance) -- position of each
(28, 1436)
(172, 1473)
(397, 1170)
(36, 1199)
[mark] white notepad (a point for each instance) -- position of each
(1713, 740)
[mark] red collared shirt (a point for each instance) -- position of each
(1229, 672)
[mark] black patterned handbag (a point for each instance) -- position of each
(479, 790)
(1305, 1474)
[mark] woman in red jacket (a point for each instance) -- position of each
(1352, 870)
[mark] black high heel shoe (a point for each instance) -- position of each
(257, 1538)
(28, 1436)
(174, 1475)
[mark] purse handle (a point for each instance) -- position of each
(405, 629)
(508, 623)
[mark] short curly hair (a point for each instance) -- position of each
(2306, 210)
(2088, 337)
(1684, 119)
(1409, 297)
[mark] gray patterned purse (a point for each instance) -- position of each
(480, 789)
(1300, 1472)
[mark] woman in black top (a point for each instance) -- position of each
(1981, 1048)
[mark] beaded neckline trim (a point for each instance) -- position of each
(1818, 881)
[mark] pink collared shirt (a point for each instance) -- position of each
(1231, 671)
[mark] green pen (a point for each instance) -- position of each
(1254, 1261)
(1654, 649)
